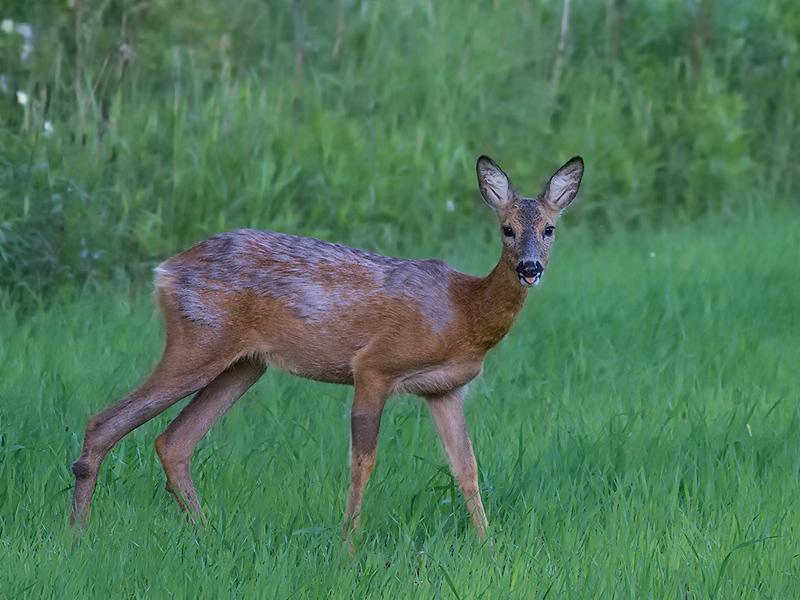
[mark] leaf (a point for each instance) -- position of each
(728, 556)
(309, 531)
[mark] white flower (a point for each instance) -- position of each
(48, 129)
(27, 48)
(22, 98)
(652, 255)
(25, 30)
(7, 26)
(450, 206)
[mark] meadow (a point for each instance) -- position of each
(636, 432)
(636, 435)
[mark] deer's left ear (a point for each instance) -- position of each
(494, 184)
(563, 186)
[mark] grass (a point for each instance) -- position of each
(636, 435)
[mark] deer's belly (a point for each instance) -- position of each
(319, 367)
(329, 366)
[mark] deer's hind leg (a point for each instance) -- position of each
(176, 445)
(175, 377)
(369, 398)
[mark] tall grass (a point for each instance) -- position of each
(636, 436)
(172, 121)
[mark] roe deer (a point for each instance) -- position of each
(243, 300)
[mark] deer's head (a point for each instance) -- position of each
(528, 225)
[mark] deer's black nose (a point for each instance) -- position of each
(529, 268)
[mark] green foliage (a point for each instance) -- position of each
(636, 436)
(168, 121)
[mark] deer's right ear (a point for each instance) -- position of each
(494, 184)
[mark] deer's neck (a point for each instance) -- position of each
(495, 303)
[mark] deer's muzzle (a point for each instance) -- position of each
(529, 272)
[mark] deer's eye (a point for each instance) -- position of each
(507, 231)
(549, 231)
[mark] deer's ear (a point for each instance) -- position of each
(563, 186)
(494, 184)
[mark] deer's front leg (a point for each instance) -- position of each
(447, 411)
(365, 422)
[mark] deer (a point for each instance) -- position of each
(242, 301)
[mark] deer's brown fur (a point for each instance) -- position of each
(241, 301)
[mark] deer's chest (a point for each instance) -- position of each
(439, 378)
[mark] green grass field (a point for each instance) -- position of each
(637, 436)
(637, 432)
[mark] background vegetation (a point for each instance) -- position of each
(150, 125)
(636, 432)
